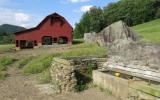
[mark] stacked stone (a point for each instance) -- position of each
(63, 76)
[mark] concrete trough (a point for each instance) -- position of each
(126, 89)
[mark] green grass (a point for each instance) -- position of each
(4, 62)
(39, 64)
(85, 50)
(150, 31)
(45, 77)
(7, 47)
(22, 62)
(2, 75)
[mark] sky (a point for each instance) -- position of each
(29, 13)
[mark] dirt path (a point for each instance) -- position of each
(20, 87)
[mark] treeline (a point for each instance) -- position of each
(7, 39)
(7, 33)
(132, 12)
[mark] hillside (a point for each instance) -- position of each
(7, 31)
(10, 29)
(150, 31)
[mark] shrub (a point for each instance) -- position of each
(38, 65)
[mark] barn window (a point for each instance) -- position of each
(63, 40)
(47, 40)
(26, 44)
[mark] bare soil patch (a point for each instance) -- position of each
(18, 86)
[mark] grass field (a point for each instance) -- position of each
(6, 47)
(4, 62)
(150, 31)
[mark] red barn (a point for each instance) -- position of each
(54, 29)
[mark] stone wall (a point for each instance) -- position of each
(63, 76)
(64, 72)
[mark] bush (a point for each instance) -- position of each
(38, 65)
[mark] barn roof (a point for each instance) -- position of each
(41, 23)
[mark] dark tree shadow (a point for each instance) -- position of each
(77, 41)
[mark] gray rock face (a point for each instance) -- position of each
(90, 37)
(117, 30)
(129, 52)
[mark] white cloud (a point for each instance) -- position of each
(84, 8)
(76, 1)
(9, 16)
(21, 17)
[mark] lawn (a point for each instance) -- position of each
(150, 31)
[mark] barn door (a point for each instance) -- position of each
(47, 40)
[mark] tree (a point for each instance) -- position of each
(91, 21)
(132, 12)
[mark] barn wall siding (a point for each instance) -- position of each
(55, 30)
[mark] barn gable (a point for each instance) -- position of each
(54, 27)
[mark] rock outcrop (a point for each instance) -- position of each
(117, 30)
(90, 37)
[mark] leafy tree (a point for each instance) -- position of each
(158, 13)
(132, 12)
(92, 21)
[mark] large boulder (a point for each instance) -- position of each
(133, 53)
(117, 30)
(90, 37)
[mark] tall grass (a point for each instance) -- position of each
(6, 47)
(38, 64)
(4, 62)
(22, 62)
(85, 50)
